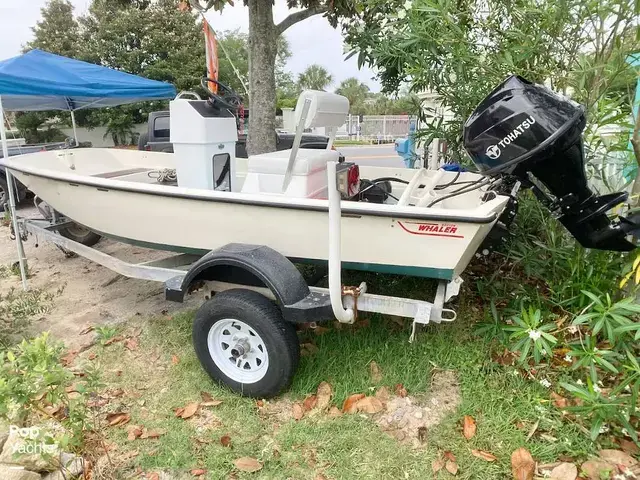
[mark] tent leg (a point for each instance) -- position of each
(75, 132)
(22, 260)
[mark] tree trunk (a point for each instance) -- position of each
(262, 81)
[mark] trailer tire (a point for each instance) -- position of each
(243, 321)
(80, 234)
(4, 193)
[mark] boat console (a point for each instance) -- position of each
(204, 135)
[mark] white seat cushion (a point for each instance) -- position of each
(308, 161)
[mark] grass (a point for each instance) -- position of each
(504, 404)
(18, 308)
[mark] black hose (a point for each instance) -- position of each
(373, 184)
(446, 185)
(437, 187)
(461, 191)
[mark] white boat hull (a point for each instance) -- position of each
(432, 242)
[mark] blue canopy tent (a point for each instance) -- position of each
(40, 80)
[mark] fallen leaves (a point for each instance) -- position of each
(175, 360)
(112, 340)
(486, 456)
(225, 441)
(559, 401)
(324, 395)
(308, 349)
(617, 457)
(369, 405)
(310, 402)
(609, 462)
(451, 467)
(437, 465)
(247, 464)
(153, 433)
(400, 390)
(118, 418)
(208, 400)
(349, 405)
(137, 431)
(522, 464)
(69, 358)
(188, 411)
(133, 432)
(596, 469)
(629, 447)
(334, 412)
(564, 471)
(196, 472)
(468, 427)
(297, 411)
(131, 344)
(376, 374)
(87, 329)
(383, 394)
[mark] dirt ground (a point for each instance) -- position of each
(92, 294)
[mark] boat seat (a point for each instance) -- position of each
(265, 173)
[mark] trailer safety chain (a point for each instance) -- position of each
(24, 236)
(355, 292)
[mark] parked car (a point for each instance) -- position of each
(157, 137)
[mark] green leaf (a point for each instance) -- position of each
(593, 297)
(595, 428)
(606, 364)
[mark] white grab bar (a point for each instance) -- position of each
(343, 315)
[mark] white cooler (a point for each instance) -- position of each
(265, 173)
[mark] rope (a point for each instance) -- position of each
(166, 175)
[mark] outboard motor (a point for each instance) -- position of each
(528, 131)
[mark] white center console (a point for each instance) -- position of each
(204, 145)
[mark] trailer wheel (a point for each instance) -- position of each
(80, 234)
(4, 193)
(242, 341)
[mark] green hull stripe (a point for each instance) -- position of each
(425, 272)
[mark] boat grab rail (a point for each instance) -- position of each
(344, 315)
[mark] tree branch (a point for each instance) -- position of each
(635, 143)
(298, 17)
(635, 139)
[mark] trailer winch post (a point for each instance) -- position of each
(344, 315)
(22, 260)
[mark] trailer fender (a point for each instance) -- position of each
(259, 266)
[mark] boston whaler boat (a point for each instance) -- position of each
(248, 220)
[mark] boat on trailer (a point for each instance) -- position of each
(241, 223)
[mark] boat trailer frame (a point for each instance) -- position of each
(175, 267)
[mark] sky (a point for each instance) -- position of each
(310, 41)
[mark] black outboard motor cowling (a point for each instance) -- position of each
(527, 130)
